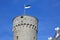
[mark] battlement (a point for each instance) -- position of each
(25, 25)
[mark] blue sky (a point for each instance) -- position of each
(47, 12)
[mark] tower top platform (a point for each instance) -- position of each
(22, 16)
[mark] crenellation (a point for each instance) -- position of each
(27, 25)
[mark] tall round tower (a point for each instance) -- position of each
(25, 28)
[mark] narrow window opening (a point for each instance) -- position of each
(17, 37)
(18, 24)
(30, 25)
(27, 25)
(33, 27)
(34, 37)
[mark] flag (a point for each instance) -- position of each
(27, 6)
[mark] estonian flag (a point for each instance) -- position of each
(27, 6)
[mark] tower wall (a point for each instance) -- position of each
(25, 28)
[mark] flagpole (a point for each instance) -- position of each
(25, 8)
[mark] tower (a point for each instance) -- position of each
(25, 28)
(57, 35)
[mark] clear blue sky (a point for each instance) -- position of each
(47, 11)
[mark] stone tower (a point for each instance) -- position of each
(25, 28)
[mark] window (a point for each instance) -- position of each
(18, 24)
(33, 27)
(27, 24)
(34, 37)
(21, 16)
(24, 23)
(30, 25)
(21, 24)
(17, 37)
